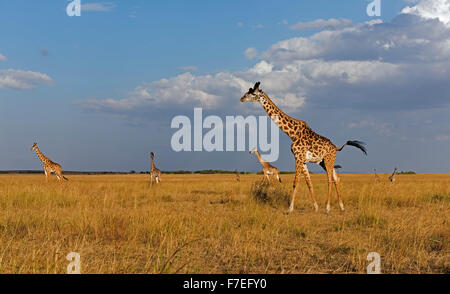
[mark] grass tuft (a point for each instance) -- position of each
(273, 194)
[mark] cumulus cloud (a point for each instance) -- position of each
(251, 53)
(22, 79)
(98, 6)
(320, 24)
(431, 9)
(401, 64)
(186, 89)
(2, 57)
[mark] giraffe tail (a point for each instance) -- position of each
(65, 178)
(357, 144)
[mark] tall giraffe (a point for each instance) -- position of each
(377, 178)
(154, 172)
(307, 146)
(48, 165)
(392, 177)
(268, 169)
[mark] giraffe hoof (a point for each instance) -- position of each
(328, 208)
(316, 207)
(341, 205)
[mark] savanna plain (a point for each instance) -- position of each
(197, 223)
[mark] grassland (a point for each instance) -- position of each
(211, 224)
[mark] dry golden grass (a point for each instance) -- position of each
(211, 224)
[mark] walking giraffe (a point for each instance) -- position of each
(392, 177)
(48, 165)
(377, 178)
(307, 146)
(154, 172)
(268, 169)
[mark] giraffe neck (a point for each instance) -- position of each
(41, 156)
(153, 164)
(262, 161)
(284, 121)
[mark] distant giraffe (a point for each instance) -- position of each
(377, 178)
(48, 165)
(238, 178)
(392, 177)
(154, 172)
(268, 169)
(307, 146)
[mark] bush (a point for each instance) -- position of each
(273, 194)
(410, 172)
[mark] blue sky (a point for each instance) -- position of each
(90, 89)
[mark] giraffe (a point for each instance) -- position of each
(392, 177)
(154, 172)
(377, 178)
(268, 169)
(48, 165)
(307, 146)
(238, 178)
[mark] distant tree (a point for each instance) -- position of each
(406, 172)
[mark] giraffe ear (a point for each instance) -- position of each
(256, 86)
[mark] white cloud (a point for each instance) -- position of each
(22, 79)
(186, 89)
(251, 53)
(371, 65)
(189, 68)
(431, 9)
(98, 6)
(443, 137)
(320, 24)
(2, 57)
(383, 129)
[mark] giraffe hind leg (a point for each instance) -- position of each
(333, 178)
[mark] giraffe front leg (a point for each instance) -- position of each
(298, 170)
(310, 186)
(46, 174)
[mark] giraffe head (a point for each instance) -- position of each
(152, 155)
(253, 95)
(33, 147)
(254, 150)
